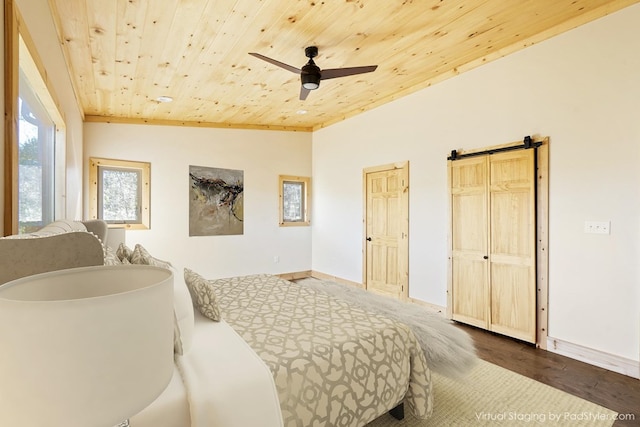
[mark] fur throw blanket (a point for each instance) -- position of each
(449, 350)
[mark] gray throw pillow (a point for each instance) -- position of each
(202, 294)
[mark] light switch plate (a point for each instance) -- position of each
(597, 227)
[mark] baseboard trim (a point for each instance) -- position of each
(440, 309)
(324, 276)
(295, 275)
(604, 360)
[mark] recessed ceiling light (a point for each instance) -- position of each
(301, 112)
(164, 99)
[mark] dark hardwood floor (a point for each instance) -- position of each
(615, 391)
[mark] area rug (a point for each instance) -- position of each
(493, 396)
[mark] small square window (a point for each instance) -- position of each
(294, 200)
(119, 192)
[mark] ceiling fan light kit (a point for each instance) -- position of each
(310, 85)
(311, 74)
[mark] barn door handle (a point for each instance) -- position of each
(368, 239)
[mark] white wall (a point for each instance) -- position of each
(582, 89)
(262, 155)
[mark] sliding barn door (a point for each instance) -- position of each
(512, 246)
(469, 232)
(493, 263)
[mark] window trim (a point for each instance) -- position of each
(306, 209)
(145, 171)
(11, 118)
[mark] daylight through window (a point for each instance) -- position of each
(119, 192)
(293, 209)
(294, 200)
(36, 154)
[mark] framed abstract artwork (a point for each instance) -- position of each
(216, 201)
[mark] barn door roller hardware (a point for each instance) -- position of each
(526, 144)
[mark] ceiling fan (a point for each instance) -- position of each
(311, 74)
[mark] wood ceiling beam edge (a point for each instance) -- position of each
(159, 122)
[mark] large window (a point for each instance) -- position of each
(294, 200)
(36, 160)
(119, 192)
(34, 151)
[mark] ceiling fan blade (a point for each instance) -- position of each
(303, 93)
(332, 73)
(274, 62)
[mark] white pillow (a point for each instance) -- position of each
(183, 308)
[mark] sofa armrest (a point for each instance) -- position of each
(97, 227)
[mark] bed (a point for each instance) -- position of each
(294, 356)
(334, 364)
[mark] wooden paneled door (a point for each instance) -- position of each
(512, 244)
(386, 227)
(493, 242)
(469, 239)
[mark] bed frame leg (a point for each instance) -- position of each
(398, 412)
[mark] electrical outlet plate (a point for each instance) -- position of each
(597, 227)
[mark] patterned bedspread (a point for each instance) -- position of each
(334, 364)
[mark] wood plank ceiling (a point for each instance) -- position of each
(124, 54)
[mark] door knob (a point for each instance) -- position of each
(485, 257)
(368, 239)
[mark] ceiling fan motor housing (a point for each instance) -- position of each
(310, 75)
